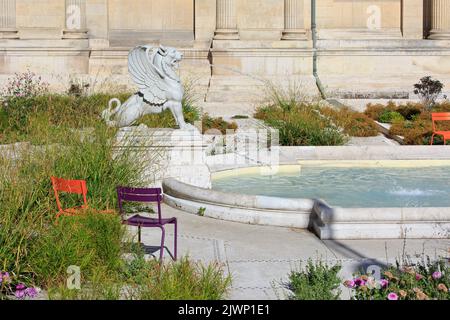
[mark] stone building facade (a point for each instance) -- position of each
(361, 45)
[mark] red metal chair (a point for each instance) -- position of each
(145, 195)
(436, 117)
(73, 187)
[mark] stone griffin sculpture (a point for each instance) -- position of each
(160, 88)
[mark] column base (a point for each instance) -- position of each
(9, 33)
(226, 34)
(294, 34)
(75, 34)
(439, 35)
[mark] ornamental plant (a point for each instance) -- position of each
(17, 97)
(429, 90)
(24, 85)
(10, 287)
(425, 281)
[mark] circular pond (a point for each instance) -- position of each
(349, 187)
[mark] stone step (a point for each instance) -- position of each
(228, 110)
(234, 96)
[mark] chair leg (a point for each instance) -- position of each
(175, 240)
(432, 140)
(139, 234)
(163, 236)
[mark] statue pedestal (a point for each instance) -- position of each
(166, 153)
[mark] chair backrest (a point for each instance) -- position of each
(142, 195)
(69, 186)
(439, 116)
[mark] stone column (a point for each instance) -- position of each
(294, 25)
(8, 20)
(75, 20)
(226, 21)
(440, 20)
(413, 19)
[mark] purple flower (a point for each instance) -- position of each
(392, 296)
(31, 292)
(384, 283)
(20, 286)
(20, 294)
(437, 275)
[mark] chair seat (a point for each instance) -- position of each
(446, 134)
(139, 220)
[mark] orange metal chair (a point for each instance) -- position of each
(73, 187)
(436, 117)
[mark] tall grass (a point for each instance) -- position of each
(69, 140)
(27, 204)
(297, 119)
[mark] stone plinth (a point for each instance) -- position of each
(166, 153)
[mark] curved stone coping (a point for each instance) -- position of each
(177, 189)
(360, 153)
(375, 163)
(262, 170)
(328, 214)
(258, 210)
(379, 223)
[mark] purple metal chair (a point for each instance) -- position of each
(144, 195)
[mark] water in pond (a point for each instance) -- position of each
(351, 187)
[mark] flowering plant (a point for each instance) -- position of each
(16, 99)
(9, 287)
(426, 281)
(24, 85)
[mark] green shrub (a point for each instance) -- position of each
(318, 281)
(390, 117)
(424, 281)
(301, 125)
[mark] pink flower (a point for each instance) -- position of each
(360, 282)
(349, 284)
(384, 283)
(437, 275)
(392, 296)
(419, 277)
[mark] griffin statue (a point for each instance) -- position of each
(154, 72)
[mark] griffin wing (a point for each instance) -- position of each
(149, 79)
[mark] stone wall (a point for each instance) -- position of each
(91, 38)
